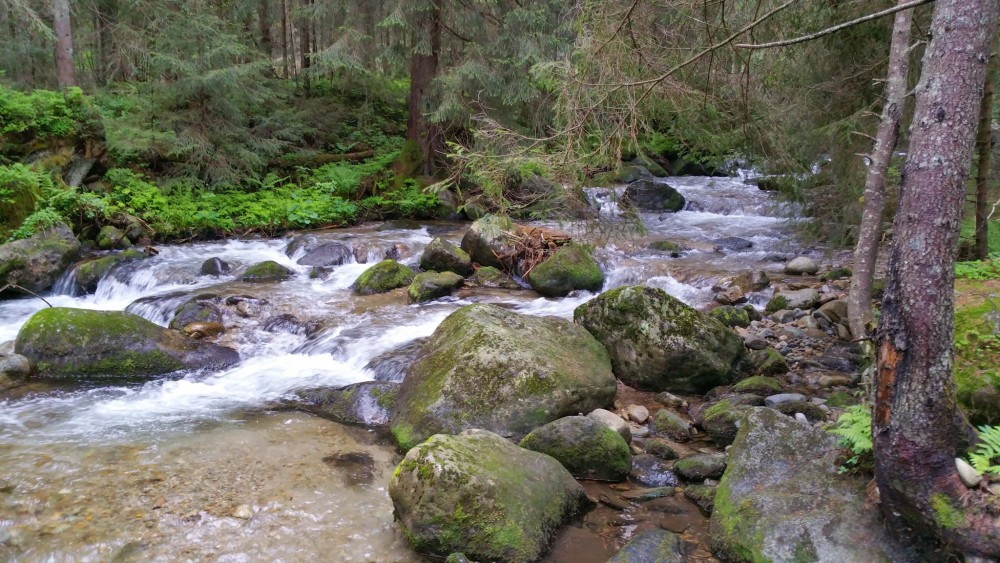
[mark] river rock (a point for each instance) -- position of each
(660, 448)
(637, 413)
(198, 309)
(203, 329)
(14, 370)
(326, 255)
(488, 367)
(612, 421)
(112, 238)
(36, 263)
(631, 173)
(392, 365)
(658, 343)
(487, 238)
(801, 265)
(812, 413)
(773, 400)
(570, 268)
(798, 299)
(735, 244)
(731, 316)
(650, 195)
(782, 499)
(77, 343)
(488, 276)
(266, 271)
(734, 289)
(653, 546)
(301, 244)
(479, 494)
(653, 167)
(215, 267)
(768, 362)
(368, 403)
(586, 448)
(758, 385)
(968, 474)
(431, 285)
(443, 256)
(385, 276)
(290, 324)
(89, 274)
(671, 425)
(699, 467)
(721, 419)
(652, 471)
(835, 310)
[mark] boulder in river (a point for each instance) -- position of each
(479, 494)
(487, 238)
(488, 276)
(801, 265)
(326, 255)
(36, 263)
(368, 403)
(90, 274)
(392, 365)
(14, 370)
(699, 467)
(489, 367)
(385, 276)
(443, 256)
(77, 343)
(569, 268)
(431, 285)
(266, 271)
(658, 343)
(586, 448)
(653, 546)
(197, 309)
(215, 267)
(112, 238)
(731, 316)
(782, 499)
(649, 195)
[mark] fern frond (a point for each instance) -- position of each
(855, 429)
(986, 457)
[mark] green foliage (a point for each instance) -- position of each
(986, 457)
(36, 222)
(855, 430)
(978, 270)
(44, 114)
(20, 187)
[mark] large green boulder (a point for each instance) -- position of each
(489, 237)
(78, 343)
(649, 195)
(431, 285)
(479, 494)
(385, 276)
(443, 256)
(489, 367)
(571, 267)
(783, 499)
(658, 343)
(266, 271)
(586, 448)
(89, 274)
(36, 263)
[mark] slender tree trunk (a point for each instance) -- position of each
(264, 24)
(984, 148)
(423, 70)
(304, 44)
(65, 70)
(859, 302)
(916, 420)
(284, 36)
(107, 55)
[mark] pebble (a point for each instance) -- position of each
(969, 475)
(637, 413)
(612, 421)
(755, 342)
(243, 512)
(801, 418)
(783, 398)
(640, 431)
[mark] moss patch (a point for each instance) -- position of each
(267, 271)
(385, 276)
(570, 268)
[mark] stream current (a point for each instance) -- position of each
(203, 466)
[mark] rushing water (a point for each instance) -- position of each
(157, 470)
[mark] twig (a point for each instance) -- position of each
(24, 289)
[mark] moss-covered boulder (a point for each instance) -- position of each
(214, 267)
(369, 403)
(431, 285)
(721, 421)
(731, 316)
(585, 447)
(479, 494)
(443, 256)
(799, 299)
(703, 496)
(660, 448)
(392, 364)
(488, 367)
(266, 271)
(649, 195)
(327, 255)
(488, 276)
(671, 425)
(629, 173)
(89, 274)
(653, 546)
(77, 343)
(385, 276)
(658, 343)
(758, 385)
(699, 467)
(569, 268)
(112, 238)
(768, 362)
(667, 246)
(36, 263)
(487, 238)
(782, 499)
(200, 309)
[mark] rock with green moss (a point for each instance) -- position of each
(660, 448)
(758, 385)
(586, 448)
(649, 195)
(731, 316)
(431, 285)
(777, 303)
(799, 299)
(768, 362)
(721, 421)
(489, 237)
(667, 246)
(632, 172)
(702, 495)
(89, 274)
(671, 425)
(479, 494)
(699, 467)
(812, 412)
(571, 267)
(36, 263)
(369, 403)
(488, 276)
(199, 309)
(654, 168)
(782, 499)
(83, 344)
(443, 256)
(112, 238)
(14, 370)
(385, 276)
(733, 290)
(837, 273)
(653, 546)
(489, 367)
(266, 271)
(658, 343)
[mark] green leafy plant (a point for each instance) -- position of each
(855, 430)
(978, 270)
(986, 457)
(36, 222)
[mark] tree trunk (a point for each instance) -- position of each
(304, 44)
(107, 19)
(914, 425)
(284, 36)
(984, 147)
(264, 24)
(65, 71)
(859, 302)
(423, 70)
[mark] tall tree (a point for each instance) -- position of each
(65, 69)
(914, 425)
(866, 251)
(984, 147)
(423, 71)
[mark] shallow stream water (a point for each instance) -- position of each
(203, 466)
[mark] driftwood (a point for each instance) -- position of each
(530, 246)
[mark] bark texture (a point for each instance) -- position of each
(984, 147)
(423, 70)
(859, 302)
(915, 420)
(65, 71)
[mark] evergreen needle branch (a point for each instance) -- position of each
(834, 29)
